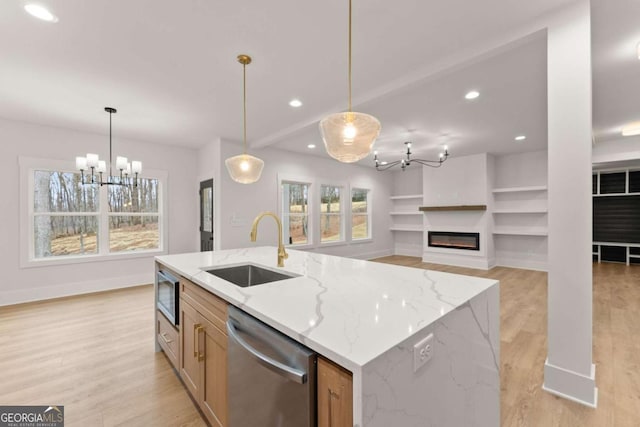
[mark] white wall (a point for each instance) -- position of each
(460, 181)
(26, 284)
(210, 166)
(521, 170)
(241, 203)
(407, 182)
(569, 370)
(619, 150)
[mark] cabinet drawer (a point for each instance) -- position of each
(167, 337)
(210, 306)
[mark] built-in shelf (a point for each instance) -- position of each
(408, 197)
(453, 208)
(407, 228)
(521, 231)
(520, 189)
(520, 211)
(405, 213)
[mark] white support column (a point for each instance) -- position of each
(569, 371)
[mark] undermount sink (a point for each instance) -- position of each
(246, 275)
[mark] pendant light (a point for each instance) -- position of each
(92, 162)
(349, 136)
(244, 168)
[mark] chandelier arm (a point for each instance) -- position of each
(388, 165)
(110, 152)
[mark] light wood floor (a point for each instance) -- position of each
(95, 355)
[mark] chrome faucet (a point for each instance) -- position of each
(282, 254)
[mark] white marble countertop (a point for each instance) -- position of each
(351, 311)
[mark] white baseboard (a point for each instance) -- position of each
(374, 254)
(19, 296)
(456, 260)
(405, 249)
(571, 385)
(521, 263)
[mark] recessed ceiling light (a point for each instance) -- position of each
(384, 163)
(40, 12)
(631, 129)
(295, 103)
(520, 138)
(311, 146)
(472, 94)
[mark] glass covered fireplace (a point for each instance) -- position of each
(453, 240)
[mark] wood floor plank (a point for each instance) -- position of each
(95, 355)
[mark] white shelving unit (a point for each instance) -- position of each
(405, 214)
(408, 197)
(520, 189)
(406, 228)
(520, 211)
(521, 231)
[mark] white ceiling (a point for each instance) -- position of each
(170, 69)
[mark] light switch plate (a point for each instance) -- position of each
(422, 352)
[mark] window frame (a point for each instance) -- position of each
(27, 167)
(369, 214)
(285, 179)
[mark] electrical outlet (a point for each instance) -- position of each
(422, 352)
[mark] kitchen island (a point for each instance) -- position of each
(367, 317)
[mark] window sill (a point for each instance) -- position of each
(81, 259)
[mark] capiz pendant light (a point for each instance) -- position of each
(349, 136)
(244, 168)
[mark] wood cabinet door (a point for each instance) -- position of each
(190, 324)
(335, 395)
(214, 377)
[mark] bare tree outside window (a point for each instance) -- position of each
(360, 214)
(65, 215)
(331, 213)
(295, 212)
(133, 216)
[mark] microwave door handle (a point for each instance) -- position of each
(281, 369)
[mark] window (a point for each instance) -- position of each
(66, 220)
(331, 214)
(360, 214)
(133, 216)
(66, 215)
(295, 212)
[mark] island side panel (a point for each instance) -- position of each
(459, 386)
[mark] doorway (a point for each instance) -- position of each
(206, 215)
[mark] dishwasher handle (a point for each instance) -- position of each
(281, 369)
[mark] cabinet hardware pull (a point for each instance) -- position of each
(200, 355)
(164, 337)
(196, 346)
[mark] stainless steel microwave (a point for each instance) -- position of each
(168, 296)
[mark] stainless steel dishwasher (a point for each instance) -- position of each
(272, 378)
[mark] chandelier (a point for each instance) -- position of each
(244, 168)
(92, 162)
(383, 166)
(349, 136)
